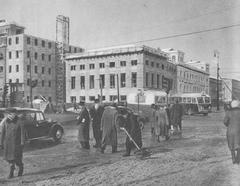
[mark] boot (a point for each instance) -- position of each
(20, 171)
(11, 173)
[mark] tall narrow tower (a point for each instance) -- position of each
(62, 42)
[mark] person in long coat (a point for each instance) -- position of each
(232, 121)
(83, 130)
(176, 114)
(96, 114)
(12, 142)
(131, 124)
(108, 128)
(162, 124)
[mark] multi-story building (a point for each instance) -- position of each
(27, 60)
(213, 91)
(230, 89)
(130, 67)
(191, 77)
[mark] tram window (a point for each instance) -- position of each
(189, 100)
(207, 100)
(184, 100)
(200, 100)
(180, 100)
(194, 100)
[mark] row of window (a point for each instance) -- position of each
(36, 42)
(92, 98)
(189, 88)
(158, 65)
(28, 69)
(28, 55)
(42, 83)
(10, 40)
(153, 79)
(188, 75)
(112, 81)
(102, 65)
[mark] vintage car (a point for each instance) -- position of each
(37, 126)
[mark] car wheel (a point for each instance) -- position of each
(57, 134)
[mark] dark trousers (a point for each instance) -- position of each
(85, 144)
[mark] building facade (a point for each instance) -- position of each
(230, 89)
(100, 72)
(213, 91)
(28, 60)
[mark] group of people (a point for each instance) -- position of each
(164, 118)
(105, 121)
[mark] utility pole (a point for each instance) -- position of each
(216, 54)
(118, 96)
(31, 89)
(101, 93)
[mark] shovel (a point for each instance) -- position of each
(141, 152)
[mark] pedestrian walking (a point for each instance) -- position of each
(108, 128)
(83, 122)
(162, 124)
(12, 141)
(232, 122)
(96, 114)
(176, 114)
(153, 118)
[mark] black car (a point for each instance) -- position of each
(37, 126)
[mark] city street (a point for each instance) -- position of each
(200, 157)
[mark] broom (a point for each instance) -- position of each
(141, 152)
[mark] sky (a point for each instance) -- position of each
(105, 23)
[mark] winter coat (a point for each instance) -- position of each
(232, 121)
(96, 115)
(83, 122)
(161, 122)
(108, 126)
(12, 139)
(176, 113)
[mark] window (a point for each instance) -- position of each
(75, 50)
(146, 62)
(158, 81)
(123, 98)
(134, 62)
(10, 81)
(35, 69)
(73, 78)
(1, 69)
(28, 40)
(43, 57)
(162, 66)
(82, 82)
(112, 80)
(10, 41)
(123, 80)
(153, 80)
(28, 68)
(101, 65)
(10, 55)
(157, 65)
(49, 71)
(1, 56)
(73, 67)
(36, 42)
(91, 98)
(82, 98)
(152, 64)
(73, 99)
(43, 70)
(49, 45)
(112, 64)
(49, 83)
(102, 81)
(49, 57)
(17, 54)
(122, 63)
(91, 85)
(42, 83)
(28, 82)
(17, 40)
(134, 79)
(112, 98)
(43, 43)
(146, 79)
(28, 54)
(28, 98)
(17, 68)
(82, 67)
(10, 69)
(91, 66)
(36, 55)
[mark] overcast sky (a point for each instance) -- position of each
(103, 23)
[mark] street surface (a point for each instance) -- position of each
(199, 157)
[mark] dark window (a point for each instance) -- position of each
(1, 68)
(36, 55)
(82, 67)
(28, 54)
(162, 66)
(42, 83)
(152, 64)
(123, 98)
(158, 81)
(9, 41)
(112, 64)
(123, 79)
(36, 42)
(122, 63)
(17, 68)
(1, 56)
(112, 97)
(146, 79)
(28, 68)
(157, 65)
(134, 62)
(82, 82)
(49, 45)
(49, 83)
(101, 65)
(134, 79)
(28, 82)
(146, 62)
(28, 40)
(73, 67)
(17, 54)
(73, 99)
(43, 43)
(75, 50)
(91, 66)
(43, 57)
(91, 98)
(10, 69)
(112, 80)
(153, 80)
(82, 98)
(91, 85)
(49, 57)
(36, 69)
(102, 81)
(17, 40)
(10, 55)
(73, 82)
(43, 70)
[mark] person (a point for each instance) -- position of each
(108, 128)
(83, 122)
(176, 114)
(12, 141)
(130, 123)
(152, 118)
(232, 122)
(96, 114)
(161, 127)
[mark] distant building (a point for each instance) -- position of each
(26, 59)
(136, 67)
(230, 89)
(175, 56)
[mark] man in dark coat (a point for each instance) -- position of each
(131, 124)
(12, 141)
(176, 113)
(83, 130)
(108, 128)
(232, 121)
(96, 114)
